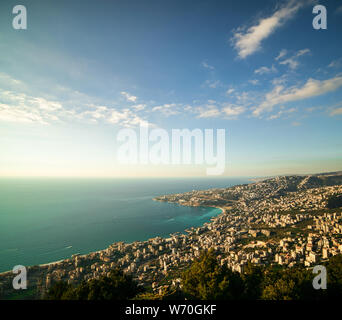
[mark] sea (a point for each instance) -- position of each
(43, 220)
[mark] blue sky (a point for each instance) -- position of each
(85, 69)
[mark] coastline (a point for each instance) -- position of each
(184, 231)
(115, 211)
(233, 232)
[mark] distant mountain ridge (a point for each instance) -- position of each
(303, 182)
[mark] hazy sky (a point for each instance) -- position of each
(85, 69)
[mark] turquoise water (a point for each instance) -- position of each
(45, 220)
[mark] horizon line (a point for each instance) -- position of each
(170, 177)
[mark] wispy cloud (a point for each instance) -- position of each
(213, 84)
(230, 91)
(232, 111)
(167, 109)
(249, 41)
(97, 112)
(281, 54)
(245, 98)
(5, 78)
(293, 62)
(336, 109)
(282, 112)
(20, 107)
(335, 63)
(129, 97)
(280, 80)
(139, 107)
(222, 110)
(209, 111)
(207, 66)
(311, 88)
(21, 115)
(254, 82)
(265, 70)
(335, 112)
(126, 118)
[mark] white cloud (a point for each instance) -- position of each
(336, 112)
(188, 108)
(126, 118)
(335, 63)
(227, 111)
(213, 83)
(303, 52)
(244, 98)
(210, 111)
(230, 91)
(207, 66)
(46, 105)
(167, 109)
(100, 112)
(121, 117)
(21, 99)
(311, 88)
(19, 107)
(280, 80)
(265, 70)
(336, 109)
(254, 82)
(129, 97)
(293, 62)
(139, 107)
(281, 112)
(281, 54)
(22, 108)
(117, 116)
(248, 42)
(6, 79)
(17, 114)
(233, 111)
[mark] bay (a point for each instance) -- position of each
(44, 220)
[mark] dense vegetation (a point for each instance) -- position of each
(334, 202)
(115, 286)
(206, 279)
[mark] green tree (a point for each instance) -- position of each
(115, 286)
(165, 294)
(252, 277)
(334, 277)
(280, 290)
(289, 284)
(207, 280)
(334, 201)
(58, 290)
